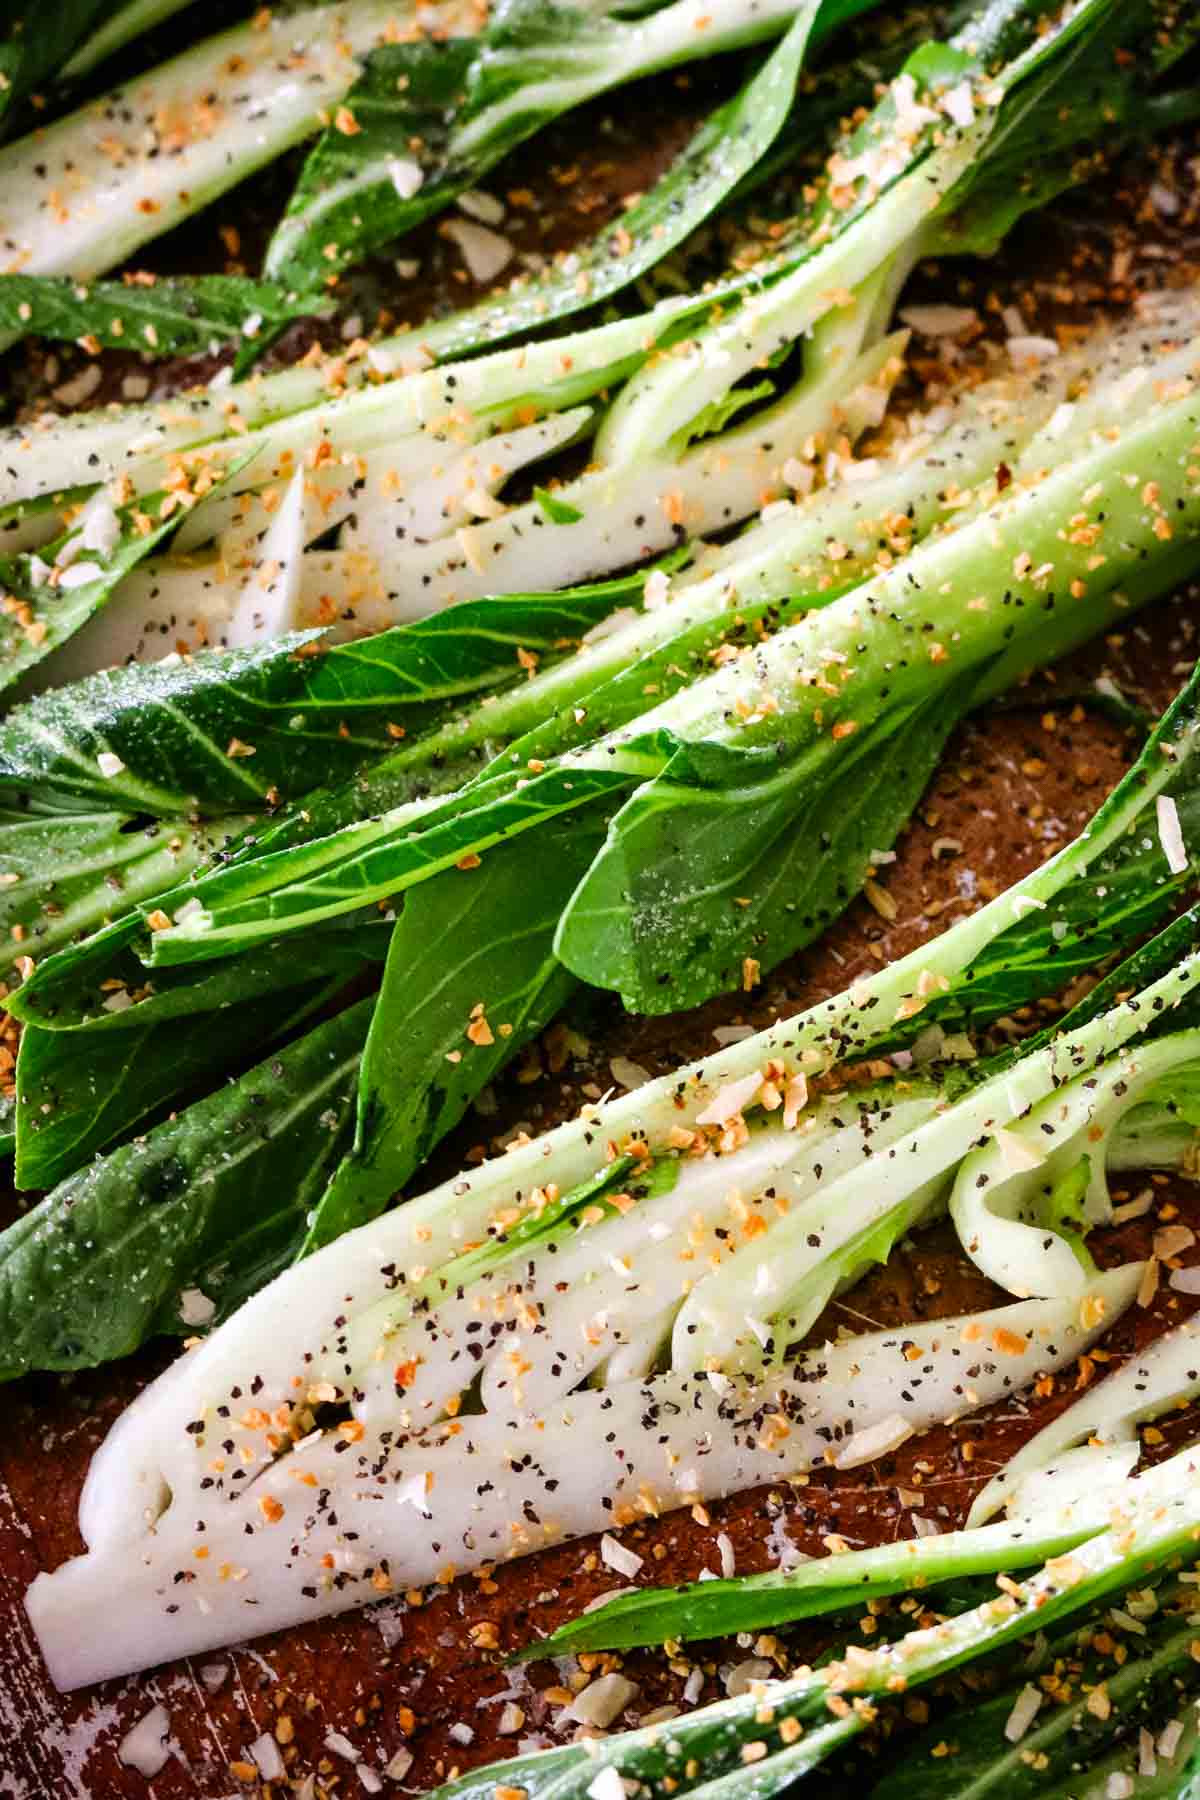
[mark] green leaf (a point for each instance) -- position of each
(1040, 144)
(353, 192)
(63, 876)
(183, 316)
(79, 1090)
(815, 1588)
(228, 728)
(695, 878)
(555, 511)
(37, 40)
(1113, 899)
(1065, 1738)
(467, 103)
(293, 889)
(704, 1751)
(483, 936)
(73, 990)
(214, 1200)
(724, 151)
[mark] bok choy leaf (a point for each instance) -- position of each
(231, 728)
(472, 957)
(705, 1752)
(81, 1087)
(904, 636)
(466, 104)
(185, 316)
(34, 41)
(724, 151)
(177, 1227)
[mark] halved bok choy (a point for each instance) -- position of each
(1009, 1728)
(473, 945)
(697, 410)
(658, 1260)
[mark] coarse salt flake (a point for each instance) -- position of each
(876, 1440)
(618, 1556)
(602, 1700)
(607, 1785)
(1023, 1713)
(1170, 834)
(407, 176)
(656, 589)
(484, 252)
(730, 1101)
(1031, 348)
(264, 1753)
(939, 320)
(145, 1747)
(195, 1308)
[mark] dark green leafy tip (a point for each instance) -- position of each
(172, 317)
(695, 878)
(361, 186)
(724, 151)
(555, 511)
(8, 1124)
(468, 938)
(35, 42)
(227, 728)
(1067, 1740)
(1035, 150)
(707, 1752)
(63, 876)
(555, 1219)
(100, 987)
(77, 1094)
(125, 1050)
(295, 888)
(1110, 901)
(175, 1229)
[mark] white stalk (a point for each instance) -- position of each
(474, 1490)
(173, 606)
(631, 511)
(841, 279)
(1001, 1189)
(1150, 1383)
(388, 518)
(851, 1221)
(87, 192)
(387, 396)
(268, 604)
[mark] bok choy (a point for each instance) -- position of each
(414, 1083)
(659, 1258)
